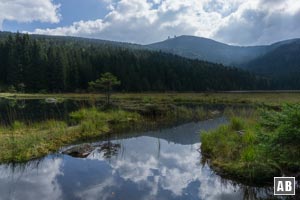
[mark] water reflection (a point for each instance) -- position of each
(161, 164)
(31, 181)
(28, 110)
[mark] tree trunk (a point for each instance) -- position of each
(108, 94)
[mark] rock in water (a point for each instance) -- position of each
(51, 100)
(80, 151)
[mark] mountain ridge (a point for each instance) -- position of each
(213, 51)
(278, 61)
(282, 64)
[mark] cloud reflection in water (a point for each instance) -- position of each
(142, 167)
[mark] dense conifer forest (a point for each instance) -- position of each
(41, 64)
(281, 65)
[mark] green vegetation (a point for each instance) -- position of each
(49, 65)
(182, 114)
(281, 64)
(258, 148)
(91, 121)
(127, 99)
(33, 140)
(22, 142)
(106, 82)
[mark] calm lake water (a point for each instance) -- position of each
(163, 164)
(37, 110)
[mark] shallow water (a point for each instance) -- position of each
(163, 164)
(34, 110)
(37, 110)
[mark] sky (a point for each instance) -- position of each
(238, 22)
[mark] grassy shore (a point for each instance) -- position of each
(257, 98)
(21, 142)
(256, 148)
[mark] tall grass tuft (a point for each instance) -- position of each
(21, 142)
(257, 149)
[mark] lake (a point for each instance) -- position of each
(33, 110)
(161, 164)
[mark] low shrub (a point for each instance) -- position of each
(256, 149)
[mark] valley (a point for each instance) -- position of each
(76, 101)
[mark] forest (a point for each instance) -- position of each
(281, 64)
(47, 64)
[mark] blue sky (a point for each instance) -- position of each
(240, 22)
(71, 11)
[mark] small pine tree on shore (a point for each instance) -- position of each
(105, 83)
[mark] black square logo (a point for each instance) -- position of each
(284, 185)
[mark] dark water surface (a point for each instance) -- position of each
(35, 110)
(28, 110)
(163, 164)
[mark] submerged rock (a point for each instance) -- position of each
(80, 151)
(83, 151)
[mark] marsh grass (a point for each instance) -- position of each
(183, 113)
(245, 98)
(233, 150)
(24, 141)
(91, 120)
(21, 142)
(256, 149)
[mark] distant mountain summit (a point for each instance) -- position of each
(279, 61)
(209, 50)
(213, 51)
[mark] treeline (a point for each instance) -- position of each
(281, 64)
(48, 65)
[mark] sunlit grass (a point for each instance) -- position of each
(21, 142)
(24, 141)
(257, 148)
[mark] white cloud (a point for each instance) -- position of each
(30, 181)
(29, 11)
(232, 21)
(148, 167)
(262, 22)
(171, 170)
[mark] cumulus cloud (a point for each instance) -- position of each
(29, 11)
(171, 172)
(145, 168)
(30, 181)
(262, 22)
(231, 21)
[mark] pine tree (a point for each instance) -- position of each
(106, 82)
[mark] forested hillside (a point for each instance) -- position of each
(56, 65)
(210, 50)
(216, 52)
(281, 64)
